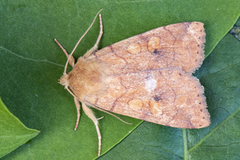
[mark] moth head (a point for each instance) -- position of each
(64, 80)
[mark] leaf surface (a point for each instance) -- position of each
(12, 132)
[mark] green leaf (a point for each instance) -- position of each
(235, 31)
(12, 132)
(31, 64)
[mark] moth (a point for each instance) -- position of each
(147, 76)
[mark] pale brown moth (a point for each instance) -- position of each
(147, 76)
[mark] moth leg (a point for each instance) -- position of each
(95, 47)
(91, 115)
(78, 111)
(71, 60)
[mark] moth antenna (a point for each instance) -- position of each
(65, 69)
(100, 109)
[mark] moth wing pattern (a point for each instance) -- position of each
(151, 76)
(174, 45)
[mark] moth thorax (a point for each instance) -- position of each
(64, 80)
